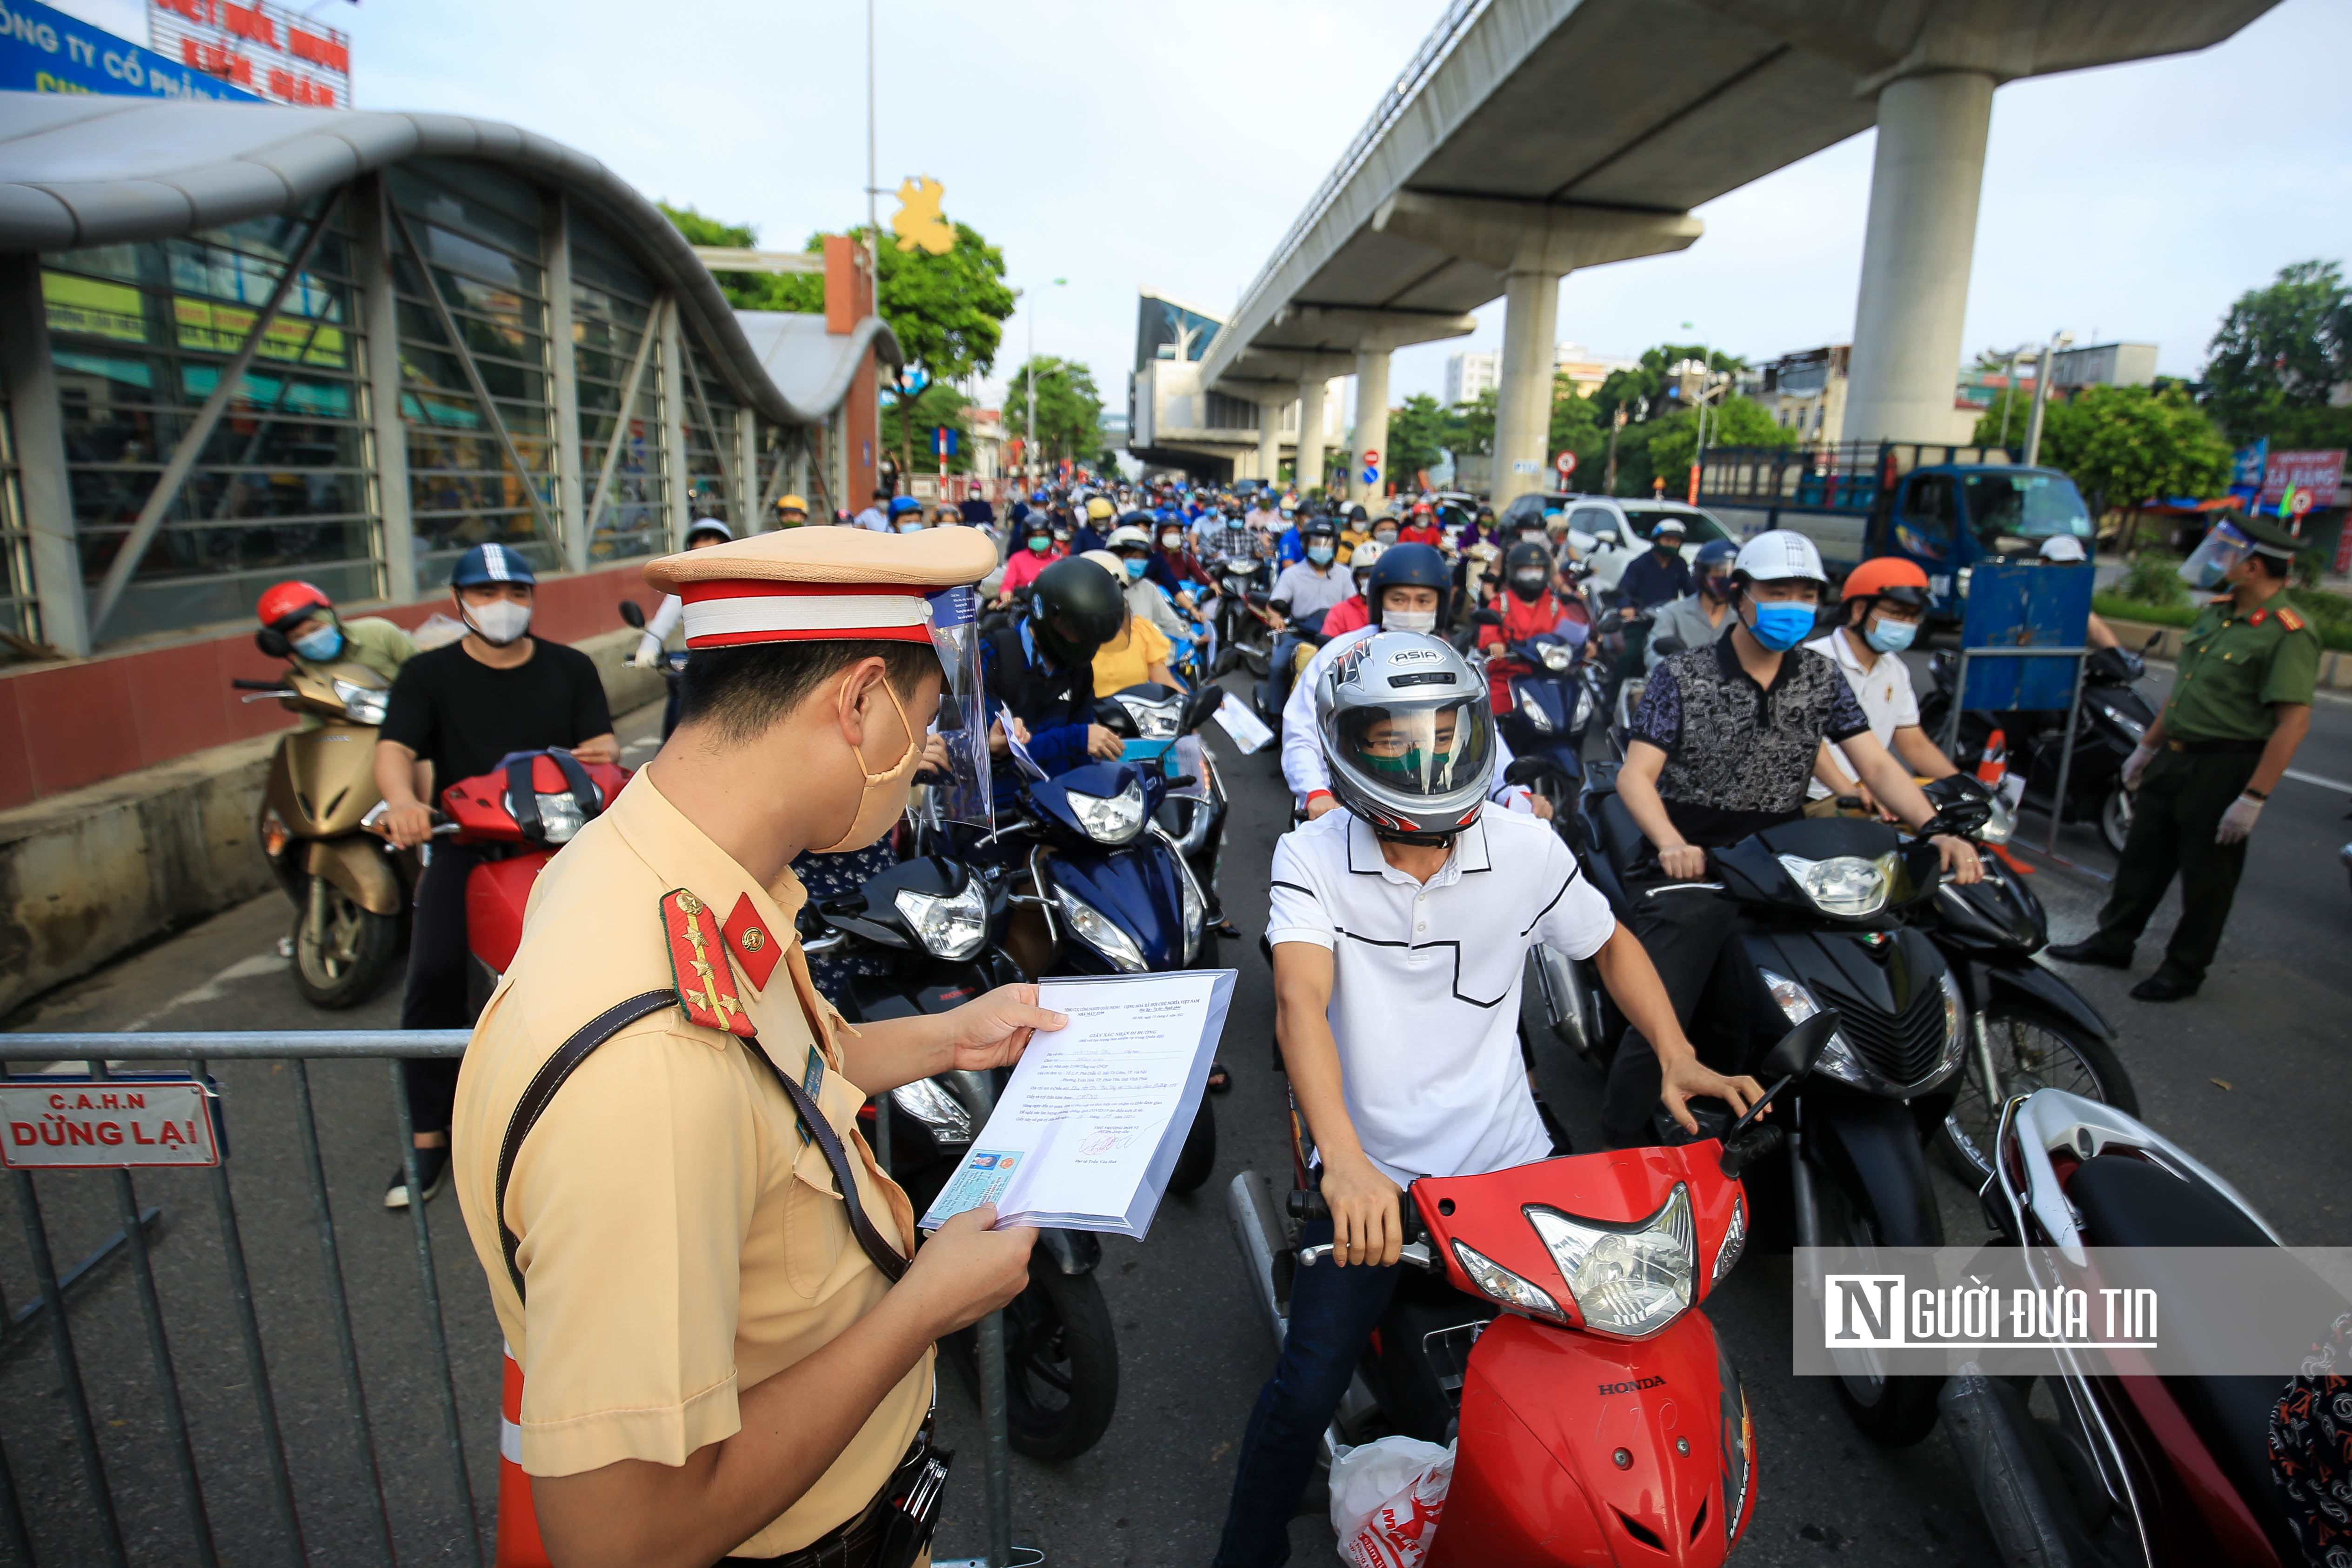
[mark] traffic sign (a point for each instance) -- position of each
(1371, 458)
(1371, 475)
(2301, 503)
(1566, 464)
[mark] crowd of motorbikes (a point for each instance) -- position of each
(1899, 1018)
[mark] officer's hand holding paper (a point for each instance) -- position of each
(1091, 1125)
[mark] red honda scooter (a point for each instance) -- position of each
(533, 803)
(1595, 1418)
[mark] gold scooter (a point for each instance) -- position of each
(351, 888)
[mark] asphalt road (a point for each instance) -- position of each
(2251, 1075)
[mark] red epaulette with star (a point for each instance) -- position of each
(698, 960)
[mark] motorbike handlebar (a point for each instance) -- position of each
(1413, 1254)
(242, 685)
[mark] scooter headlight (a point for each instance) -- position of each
(2003, 824)
(1797, 1004)
(1533, 712)
(1112, 818)
(1559, 657)
(1846, 887)
(952, 927)
(560, 817)
(945, 1115)
(1098, 931)
(364, 705)
(1583, 707)
(1735, 1242)
(1518, 1294)
(1153, 721)
(1629, 1281)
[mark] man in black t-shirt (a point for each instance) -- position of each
(1722, 746)
(461, 709)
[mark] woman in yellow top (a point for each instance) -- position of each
(1138, 654)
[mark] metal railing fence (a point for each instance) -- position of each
(193, 1536)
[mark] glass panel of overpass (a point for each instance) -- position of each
(612, 309)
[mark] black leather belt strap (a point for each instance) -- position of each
(603, 1026)
(2216, 748)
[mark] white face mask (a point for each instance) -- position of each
(499, 623)
(1409, 620)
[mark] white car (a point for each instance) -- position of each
(1609, 531)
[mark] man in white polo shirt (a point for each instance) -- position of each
(1878, 615)
(1401, 926)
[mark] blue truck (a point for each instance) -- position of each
(1946, 507)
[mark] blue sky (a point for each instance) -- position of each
(1123, 147)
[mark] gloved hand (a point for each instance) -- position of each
(2238, 820)
(2137, 763)
(647, 655)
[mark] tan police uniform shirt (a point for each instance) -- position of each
(679, 1243)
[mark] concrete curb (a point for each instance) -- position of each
(2334, 668)
(91, 874)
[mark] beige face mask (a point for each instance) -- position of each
(883, 799)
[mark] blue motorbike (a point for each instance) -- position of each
(1085, 851)
(1549, 709)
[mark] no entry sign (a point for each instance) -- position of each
(1371, 458)
(85, 1123)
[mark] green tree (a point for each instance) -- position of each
(939, 404)
(1069, 410)
(2124, 446)
(2283, 350)
(1738, 422)
(1575, 427)
(2017, 402)
(744, 290)
(1416, 437)
(1470, 426)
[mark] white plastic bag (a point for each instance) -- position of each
(1385, 1498)
(437, 631)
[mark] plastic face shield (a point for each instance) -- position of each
(1427, 752)
(2221, 548)
(964, 796)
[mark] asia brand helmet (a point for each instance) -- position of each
(1409, 566)
(1891, 578)
(289, 604)
(1527, 568)
(1408, 735)
(1075, 607)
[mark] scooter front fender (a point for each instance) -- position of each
(1870, 1147)
(2033, 984)
(1545, 1416)
(358, 866)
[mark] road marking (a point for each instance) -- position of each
(213, 989)
(2300, 777)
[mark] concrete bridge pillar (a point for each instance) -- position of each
(1310, 430)
(1533, 246)
(1371, 423)
(1269, 437)
(1923, 185)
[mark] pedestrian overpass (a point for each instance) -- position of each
(1527, 139)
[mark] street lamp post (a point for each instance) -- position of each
(1706, 383)
(1029, 374)
(2042, 380)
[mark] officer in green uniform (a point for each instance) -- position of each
(2240, 708)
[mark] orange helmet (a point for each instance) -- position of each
(1888, 576)
(287, 604)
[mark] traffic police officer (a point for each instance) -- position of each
(2239, 707)
(700, 1270)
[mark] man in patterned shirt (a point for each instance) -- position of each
(1722, 746)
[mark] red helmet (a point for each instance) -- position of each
(289, 604)
(1888, 576)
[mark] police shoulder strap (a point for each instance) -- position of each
(558, 1067)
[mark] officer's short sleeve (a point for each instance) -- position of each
(632, 1198)
(2295, 669)
(1294, 905)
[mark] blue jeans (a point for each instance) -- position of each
(1332, 1315)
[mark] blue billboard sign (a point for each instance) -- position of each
(45, 50)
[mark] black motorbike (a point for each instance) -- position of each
(1267, 693)
(1245, 635)
(2114, 719)
(1825, 901)
(932, 928)
(2028, 1029)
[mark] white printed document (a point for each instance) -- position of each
(1091, 1125)
(1248, 731)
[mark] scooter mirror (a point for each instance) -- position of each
(1487, 617)
(634, 613)
(1666, 646)
(1794, 1055)
(273, 643)
(1203, 707)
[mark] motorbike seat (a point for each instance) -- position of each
(2130, 1202)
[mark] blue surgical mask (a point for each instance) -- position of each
(1781, 626)
(320, 645)
(1135, 569)
(1891, 636)
(1320, 554)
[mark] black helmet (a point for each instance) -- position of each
(1408, 566)
(1527, 568)
(1074, 608)
(1318, 529)
(1355, 513)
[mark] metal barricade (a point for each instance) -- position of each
(357, 1500)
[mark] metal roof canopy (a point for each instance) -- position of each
(85, 171)
(1631, 107)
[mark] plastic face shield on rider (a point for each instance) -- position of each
(964, 795)
(2221, 548)
(1424, 753)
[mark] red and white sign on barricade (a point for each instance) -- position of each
(103, 1123)
(281, 55)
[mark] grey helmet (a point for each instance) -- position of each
(1408, 735)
